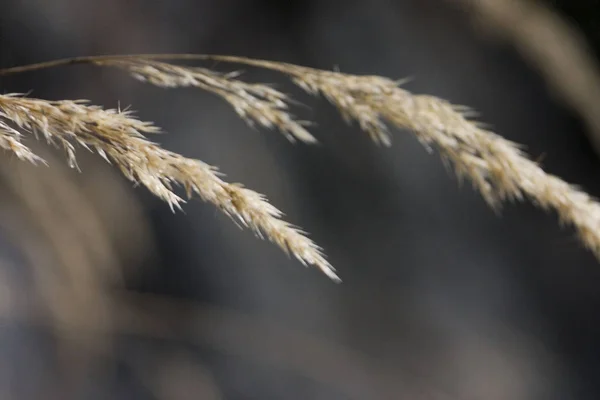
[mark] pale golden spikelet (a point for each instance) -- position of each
(496, 166)
(10, 140)
(498, 169)
(119, 138)
(349, 93)
(254, 103)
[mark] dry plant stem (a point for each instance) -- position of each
(119, 138)
(496, 167)
(553, 46)
(254, 103)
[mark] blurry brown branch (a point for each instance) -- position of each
(228, 331)
(67, 252)
(177, 377)
(553, 46)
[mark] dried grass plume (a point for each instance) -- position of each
(119, 138)
(498, 169)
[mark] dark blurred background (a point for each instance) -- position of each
(106, 294)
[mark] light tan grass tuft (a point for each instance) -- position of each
(119, 138)
(254, 103)
(498, 169)
(10, 139)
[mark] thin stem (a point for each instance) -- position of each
(99, 59)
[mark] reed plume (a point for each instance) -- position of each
(254, 103)
(498, 168)
(119, 138)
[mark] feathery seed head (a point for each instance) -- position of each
(498, 169)
(254, 103)
(119, 138)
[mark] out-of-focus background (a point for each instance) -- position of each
(106, 294)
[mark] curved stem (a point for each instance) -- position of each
(99, 59)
